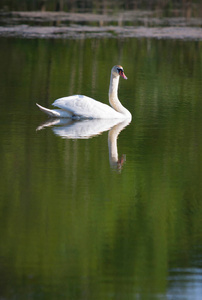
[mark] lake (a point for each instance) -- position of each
(91, 211)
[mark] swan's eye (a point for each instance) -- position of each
(120, 71)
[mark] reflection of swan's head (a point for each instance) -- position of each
(118, 71)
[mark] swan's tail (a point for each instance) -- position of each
(50, 112)
(55, 113)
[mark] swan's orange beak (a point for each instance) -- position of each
(121, 73)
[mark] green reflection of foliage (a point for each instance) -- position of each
(70, 227)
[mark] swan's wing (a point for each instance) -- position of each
(86, 107)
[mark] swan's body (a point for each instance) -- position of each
(83, 107)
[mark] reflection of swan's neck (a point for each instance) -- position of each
(112, 142)
(113, 96)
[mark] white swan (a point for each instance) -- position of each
(83, 107)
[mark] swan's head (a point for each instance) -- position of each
(118, 71)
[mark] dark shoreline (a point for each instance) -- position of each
(76, 25)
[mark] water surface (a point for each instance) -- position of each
(74, 225)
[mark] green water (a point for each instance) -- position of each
(73, 227)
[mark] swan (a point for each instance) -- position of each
(83, 107)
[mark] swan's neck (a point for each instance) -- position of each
(113, 96)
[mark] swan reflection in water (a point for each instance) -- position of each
(85, 129)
